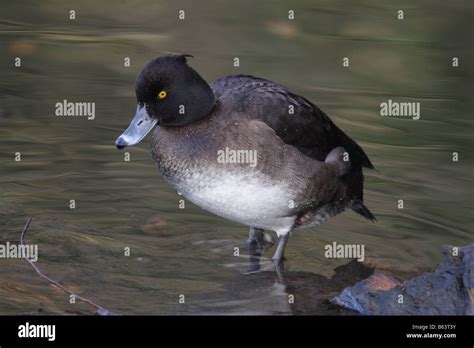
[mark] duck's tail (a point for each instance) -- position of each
(361, 209)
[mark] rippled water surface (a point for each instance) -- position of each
(189, 251)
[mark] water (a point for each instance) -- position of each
(189, 251)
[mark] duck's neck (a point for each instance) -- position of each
(204, 103)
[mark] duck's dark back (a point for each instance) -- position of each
(297, 121)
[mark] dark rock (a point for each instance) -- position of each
(449, 290)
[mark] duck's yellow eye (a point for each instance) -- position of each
(162, 95)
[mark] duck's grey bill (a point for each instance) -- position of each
(140, 126)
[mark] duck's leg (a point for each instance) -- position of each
(255, 244)
(256, 238)
(282, 240)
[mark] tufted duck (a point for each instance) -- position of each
(246, 149)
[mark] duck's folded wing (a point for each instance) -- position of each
(297, 121)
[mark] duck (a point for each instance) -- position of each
(246, 149)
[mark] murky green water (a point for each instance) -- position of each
(189, 251)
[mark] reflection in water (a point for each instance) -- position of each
(174, 251)
(276, 290)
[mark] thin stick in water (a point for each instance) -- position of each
(99, 309)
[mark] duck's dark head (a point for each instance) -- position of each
(170, 94)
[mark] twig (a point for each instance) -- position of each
(99, 309)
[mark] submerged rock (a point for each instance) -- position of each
(449, 290)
